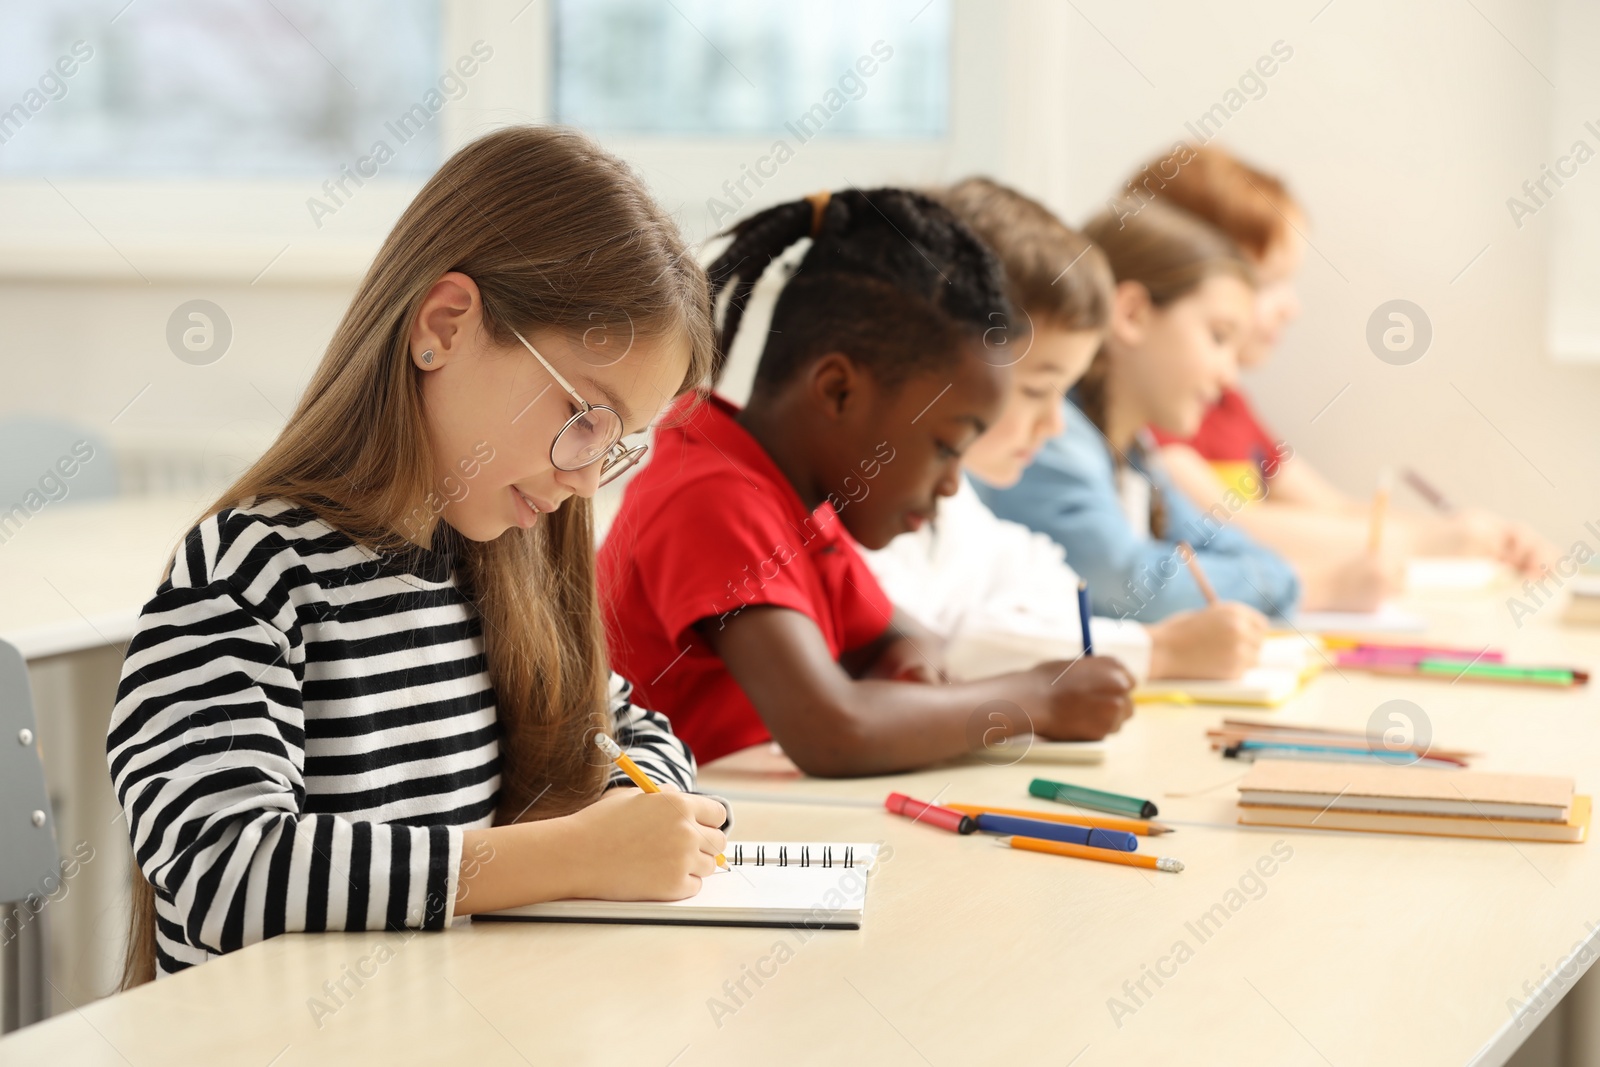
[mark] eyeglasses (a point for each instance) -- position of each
(593, 435)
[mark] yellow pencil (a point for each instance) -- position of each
(1380, 505)
(1088, 852)
(1186, 550)
(615, 754)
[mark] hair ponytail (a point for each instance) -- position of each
(890, 277)
(757, 243)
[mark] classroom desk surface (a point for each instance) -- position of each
(75, 575)
(1354, 949)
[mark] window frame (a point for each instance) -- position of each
(149, 231)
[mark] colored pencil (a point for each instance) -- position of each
(1380, 505)
(1085, 852)
(1426, 491)
(1186, 550)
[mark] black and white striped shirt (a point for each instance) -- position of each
(304, 729)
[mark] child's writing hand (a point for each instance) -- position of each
(1360, 583)
(647, 846)
(1525, 551)
(1219, 641)
(1472, 532)
(1083, 699)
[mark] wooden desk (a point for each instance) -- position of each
(1356, 949)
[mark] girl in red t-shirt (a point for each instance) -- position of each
(736, 597)
(1299, 513)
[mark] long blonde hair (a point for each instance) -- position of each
(1171, 253)
(558, 234)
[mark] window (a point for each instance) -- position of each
(217, 88)
(730, 67)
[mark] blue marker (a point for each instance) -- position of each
(1093, 836)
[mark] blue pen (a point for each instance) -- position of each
(1093, 836)
(1083, 616)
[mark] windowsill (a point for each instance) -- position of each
(248, 261)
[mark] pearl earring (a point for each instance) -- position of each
(427, 357)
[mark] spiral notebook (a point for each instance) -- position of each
(819, 885)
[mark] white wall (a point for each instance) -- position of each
(1403, 128)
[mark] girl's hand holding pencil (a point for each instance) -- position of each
(656, 845)
(633, 845)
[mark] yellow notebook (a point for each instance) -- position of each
(1287, 663)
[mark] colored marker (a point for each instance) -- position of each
(1141, 827)
(1116, 840)
(1504, 672)
(1093, 799)
(932, 814)
(1379, 656)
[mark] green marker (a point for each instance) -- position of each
(1093, 799)
(1500, 671)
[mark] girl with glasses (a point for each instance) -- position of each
(366, 693)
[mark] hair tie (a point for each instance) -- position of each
(819, 205)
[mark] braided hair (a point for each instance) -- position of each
(891, 278)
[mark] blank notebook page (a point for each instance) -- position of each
(767, 883)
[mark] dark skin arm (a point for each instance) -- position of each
(906, 651)
(836, 726)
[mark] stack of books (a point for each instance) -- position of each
(1584, 607)
(1412, 800)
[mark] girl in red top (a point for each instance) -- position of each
(735, 594)
(1300, 514)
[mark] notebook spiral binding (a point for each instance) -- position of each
(760, 858)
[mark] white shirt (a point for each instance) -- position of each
(1001, 595)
